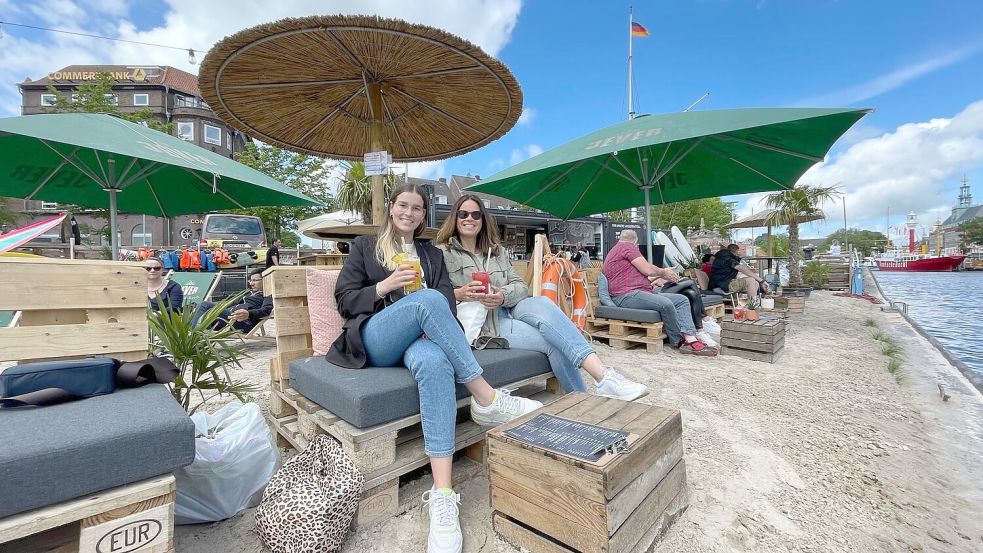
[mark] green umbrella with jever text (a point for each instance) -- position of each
(674, 157)
(102, 161)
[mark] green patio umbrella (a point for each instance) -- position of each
(102, 161)
(674, 157)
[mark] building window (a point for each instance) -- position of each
(213, 134)
(441, 199)
(186, 130)
(141, 238)
(228, 139)
(49, 206)
(141, 99)
(487, 203)
(48, 99)
(111, 99)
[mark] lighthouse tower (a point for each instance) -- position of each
(911, 223)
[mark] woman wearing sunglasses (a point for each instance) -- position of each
(526, 322)
(169, 292)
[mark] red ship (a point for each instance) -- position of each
(920, 263)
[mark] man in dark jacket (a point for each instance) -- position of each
(724, 271)
(245, 315)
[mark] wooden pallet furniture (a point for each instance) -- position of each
(761, 340)
(74, 309)
(626, 334)
(547, 502)
(386, 454)
(792, 304)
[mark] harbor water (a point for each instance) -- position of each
(945, 305)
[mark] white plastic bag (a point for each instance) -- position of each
(472, 316)
(235, 457)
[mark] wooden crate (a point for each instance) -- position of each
(385, 454)
(756, 340)
(544, 501)
(793, 304)
(127, 518)
(715, 311)
(626, 334)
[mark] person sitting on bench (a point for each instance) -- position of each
(628, 275)
(723, 274)
(246, 315)
(169, 293)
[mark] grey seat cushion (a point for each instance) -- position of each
(52, 454)
(375, 395)
(712, 299)
(626, 314)
(602, 291)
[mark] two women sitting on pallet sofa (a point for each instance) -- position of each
(385, 327)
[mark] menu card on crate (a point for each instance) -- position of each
(587, 442)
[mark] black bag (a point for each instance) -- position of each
(52, 382)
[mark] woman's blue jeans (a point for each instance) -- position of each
(539, 325)
(437, 361)
(673, 308)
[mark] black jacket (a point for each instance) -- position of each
(357, 301)
(724, 269)
(257, 304)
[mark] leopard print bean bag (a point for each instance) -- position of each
(309, 503)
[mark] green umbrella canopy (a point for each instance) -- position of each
(76, 157)
(674, 157)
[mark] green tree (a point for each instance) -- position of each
(863, 240)
(712, 211)
(621, 216)
(972, 233)
(779, 244)
(305, 174)
(789, 205)
(355, 190)
(8, 216)
(96, 96)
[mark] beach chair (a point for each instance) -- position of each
(9, 319)
(259, 333)
(197, 287)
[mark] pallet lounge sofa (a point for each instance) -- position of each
(95, 474)
(374, 412)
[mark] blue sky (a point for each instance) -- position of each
(918, 64)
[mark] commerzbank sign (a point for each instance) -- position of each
(137, 74)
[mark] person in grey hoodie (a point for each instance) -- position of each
(525, 322)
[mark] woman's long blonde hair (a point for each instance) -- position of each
(386, 246)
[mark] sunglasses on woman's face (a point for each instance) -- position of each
(462, 214)
(149, 269)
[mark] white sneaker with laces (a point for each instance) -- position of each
(615, 385)
(504, 408)
(711, 326)
(706, 338)
(445, 532)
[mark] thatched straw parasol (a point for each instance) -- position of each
(341, 86)
(760, 219)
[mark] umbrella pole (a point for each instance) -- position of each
(648, 223)
(375, 136)
(769, 242)
(113, 235)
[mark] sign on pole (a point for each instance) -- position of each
(377, 163)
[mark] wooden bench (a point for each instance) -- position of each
(385, 453)
(618, 333)
(75, 309)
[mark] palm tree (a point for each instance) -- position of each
(791, 205)
(355, 190)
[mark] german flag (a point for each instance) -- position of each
(638, 30)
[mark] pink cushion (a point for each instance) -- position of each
(326, 322)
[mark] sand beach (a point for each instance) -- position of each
(824, 450)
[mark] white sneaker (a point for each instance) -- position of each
(445, 532)
(706, 338)
(615, 385)
(504, 408)
(711, 326)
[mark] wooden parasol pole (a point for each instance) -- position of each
(769, 242)
(375, 136)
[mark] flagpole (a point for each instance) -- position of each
(631, 109)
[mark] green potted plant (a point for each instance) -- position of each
(815, 274)
(801, 203)
(751, 312)
(202, 354)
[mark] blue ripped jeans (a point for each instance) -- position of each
(538, 324)
(394, 336)
(677, 319)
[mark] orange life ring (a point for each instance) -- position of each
(556, 271)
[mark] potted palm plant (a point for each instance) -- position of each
(202, 354)
(801, 203)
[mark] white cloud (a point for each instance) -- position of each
(522, 154)
(890, 81)
(527, 116)
(199, 25)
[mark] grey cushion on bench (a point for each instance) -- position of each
(627, 314)
(52, 454)
(712, 299)
(375, 395)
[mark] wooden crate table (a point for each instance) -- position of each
(794, 304)
(547, 502)
(761, 340)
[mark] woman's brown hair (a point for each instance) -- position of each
(487, 236)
